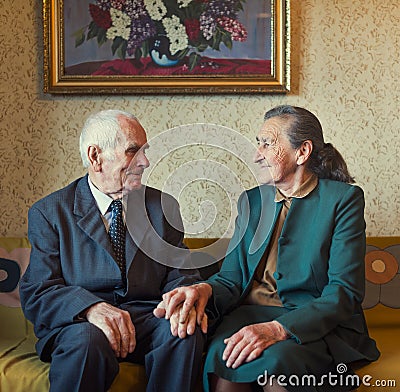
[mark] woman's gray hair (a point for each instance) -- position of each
(101, 129)
(325, 160)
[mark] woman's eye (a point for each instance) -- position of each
(263, 143)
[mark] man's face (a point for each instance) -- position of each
(275, 155)
(124, 171)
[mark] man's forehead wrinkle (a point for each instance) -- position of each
(120, 137)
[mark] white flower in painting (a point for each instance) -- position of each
(177, 44)
(176, 34)
(184, 3)
(121, 25)
(155, 8)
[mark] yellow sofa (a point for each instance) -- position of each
(22, 371)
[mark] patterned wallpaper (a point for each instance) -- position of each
(345, 68)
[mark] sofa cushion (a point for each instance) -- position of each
(383, 374)
(21, 369)
(13, 329)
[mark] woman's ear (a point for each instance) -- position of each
(94, 157)
(303, 153)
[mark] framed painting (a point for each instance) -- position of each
(166, 46)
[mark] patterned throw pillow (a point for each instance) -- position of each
(382, 276)
(14, 258)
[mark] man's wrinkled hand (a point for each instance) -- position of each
(181, 329)
(185, 299)
(116, 324)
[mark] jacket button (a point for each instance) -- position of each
(283, 241)
(277, 275)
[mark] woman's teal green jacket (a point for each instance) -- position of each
(320, 267)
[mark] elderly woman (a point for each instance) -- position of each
(291, 285)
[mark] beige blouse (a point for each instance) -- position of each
(264, 290)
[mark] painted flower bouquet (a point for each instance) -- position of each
(167, 30)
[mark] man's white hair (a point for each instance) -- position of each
(101, 129)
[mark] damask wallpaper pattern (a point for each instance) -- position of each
(345, 68)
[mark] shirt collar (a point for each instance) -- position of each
(103, 201)
(302, 191)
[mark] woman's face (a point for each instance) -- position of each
(275, 156)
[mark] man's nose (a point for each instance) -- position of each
(142, 159)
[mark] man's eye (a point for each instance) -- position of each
(132, 151)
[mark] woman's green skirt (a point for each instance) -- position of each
(298, 367)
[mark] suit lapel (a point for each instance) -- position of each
(88, 216)
(130, 250)
(137, 222)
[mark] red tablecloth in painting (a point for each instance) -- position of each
(145, 67)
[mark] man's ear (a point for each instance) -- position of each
(303, 153)
(94, 157)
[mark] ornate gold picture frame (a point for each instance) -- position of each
(179, 47)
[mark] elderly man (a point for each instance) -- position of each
(90, 288)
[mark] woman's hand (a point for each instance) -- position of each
(249, 342)
(186, 305)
